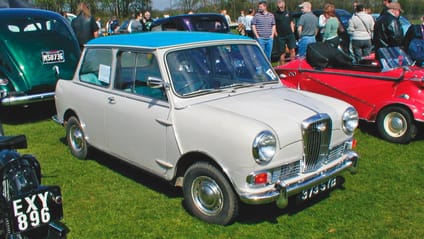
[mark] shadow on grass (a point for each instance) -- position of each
(370, 128)
(248, 214)
(35, 112)
(252, 214)
(138, 175)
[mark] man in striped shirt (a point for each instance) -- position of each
(263, 27)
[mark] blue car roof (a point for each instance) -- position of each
(25, 12)
(163, 39)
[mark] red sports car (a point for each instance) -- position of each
(388, 91)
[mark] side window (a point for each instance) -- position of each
(132, 72)
(96, 67)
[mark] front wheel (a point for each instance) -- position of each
(396, 124)
(208, 194)
(76, 139)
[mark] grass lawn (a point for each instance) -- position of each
(105, 198)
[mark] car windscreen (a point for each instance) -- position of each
(209, 24)
(218, 67)
(393, 57)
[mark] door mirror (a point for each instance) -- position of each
(154, 82)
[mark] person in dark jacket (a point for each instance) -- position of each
(84, 25)
(387, 29)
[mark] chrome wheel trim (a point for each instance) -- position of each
(76, 138)
(395, 124)
(207, 195)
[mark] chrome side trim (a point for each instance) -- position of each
(26, 99)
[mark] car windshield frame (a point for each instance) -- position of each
(393, 57)
(217, 68)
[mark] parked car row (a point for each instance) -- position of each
(205, 111)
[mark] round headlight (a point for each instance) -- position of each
(264, 147)
(350, 120)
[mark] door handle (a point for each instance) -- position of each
(111, 100)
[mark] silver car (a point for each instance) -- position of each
(207, 113)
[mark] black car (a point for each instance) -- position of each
(204, 22)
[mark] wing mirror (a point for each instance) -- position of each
(155, 82)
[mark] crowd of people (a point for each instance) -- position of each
(86, 27)
(365, 33)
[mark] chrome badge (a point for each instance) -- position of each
(321, 127)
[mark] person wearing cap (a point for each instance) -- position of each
(307, 28)
(387, 29)
(263, 27)
(285, 31)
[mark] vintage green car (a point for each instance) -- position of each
(34, 45)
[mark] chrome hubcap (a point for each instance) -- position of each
(76, 137)
(395, 124)
(207, 195)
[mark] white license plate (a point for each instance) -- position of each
(50, 57)
(318, 189)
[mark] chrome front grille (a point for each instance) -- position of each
(286, 171)
(316, 133)
(294, 169)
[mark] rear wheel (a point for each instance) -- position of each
(76, 138)
(396, 124)
(208, 194)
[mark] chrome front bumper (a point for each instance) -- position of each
(282, 190)
(27, 99)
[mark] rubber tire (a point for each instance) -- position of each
(76, 138)
(211, 176)
(403, 135)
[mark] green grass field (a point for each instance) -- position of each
(105, 198)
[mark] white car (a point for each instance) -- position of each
(206, 112)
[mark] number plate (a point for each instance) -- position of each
(36, 209)
(318, 189)
(50, 57)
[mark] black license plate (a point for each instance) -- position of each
(50, 57)
(36, 209)
(318, 189)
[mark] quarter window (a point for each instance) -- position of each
(96, 67)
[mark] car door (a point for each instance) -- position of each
(92, 92)
(136, 113)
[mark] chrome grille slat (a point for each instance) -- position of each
(316, 133)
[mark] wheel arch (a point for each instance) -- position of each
(191, 158)
(395, 104)
(68, 114)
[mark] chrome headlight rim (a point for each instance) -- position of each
(350, 120)
(264, 147)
